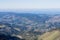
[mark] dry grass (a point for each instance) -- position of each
(50, 35)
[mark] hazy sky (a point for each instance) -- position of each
(29, 4)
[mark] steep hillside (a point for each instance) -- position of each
(53, 35)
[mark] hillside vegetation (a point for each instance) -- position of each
(54, 35)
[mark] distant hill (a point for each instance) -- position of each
(28, 25)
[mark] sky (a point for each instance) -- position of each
(29, 4)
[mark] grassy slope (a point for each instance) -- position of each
(50, 35)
